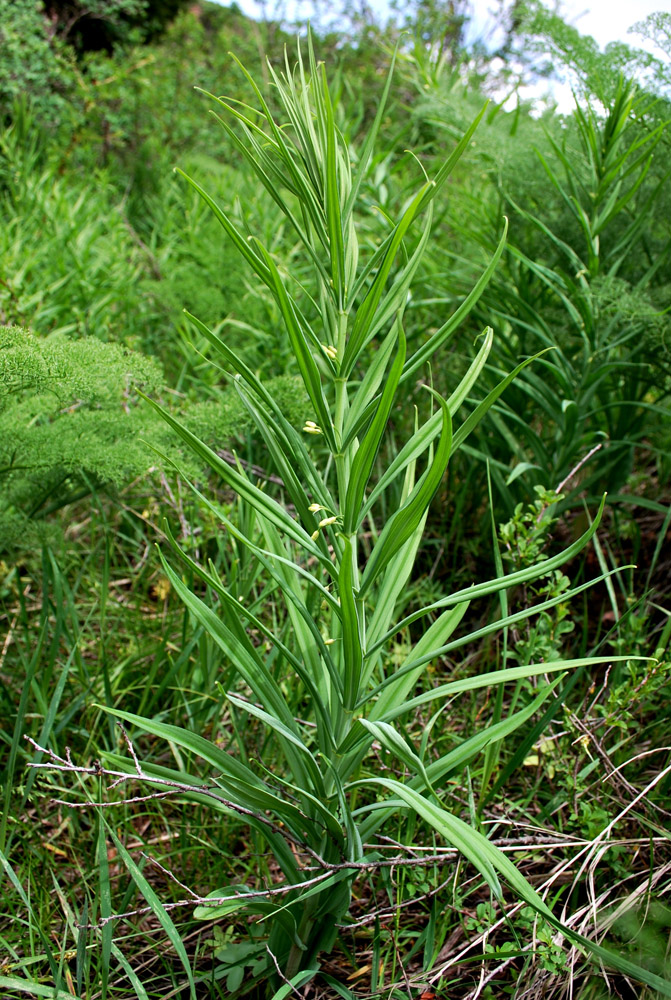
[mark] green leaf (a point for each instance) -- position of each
(468, 841)
(366, 311)
(15, 985)
(325, 730)
(157, 909)
(394, 742)
(352, 655)
(240, 784)
(441, 769)
(438, 339)
(105, 907)
(478, 590)
(226, 906)
(502, 677)
(253, 259)
(403, 522)
(367, 451)
(301, 349)
(365, 399)
(258, 499)
(394, 689)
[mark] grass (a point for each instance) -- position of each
(392, 765)
(532, 813)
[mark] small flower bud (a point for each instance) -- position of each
(311, 427)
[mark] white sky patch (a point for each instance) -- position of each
(605, 20)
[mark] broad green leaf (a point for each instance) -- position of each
(292, 985)
(212, 793)
(481, 409)
(487, 858)
(371, 136)
(235, 643)
(440, 770)
(424, 652)
(105, 898)
(133, 979)
(332, 192)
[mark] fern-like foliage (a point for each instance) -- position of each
(72, 421)
(69, 420)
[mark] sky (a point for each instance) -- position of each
(605, 20)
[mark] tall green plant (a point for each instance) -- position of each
(312, 670)
(585, 278)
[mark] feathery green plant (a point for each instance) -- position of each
(70, 423)
(320, 682)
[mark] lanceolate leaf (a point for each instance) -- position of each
(488, 859)
(158, 909)
(476, 848)
(366, 311)
(365, 456)
(306, 363)
(260, 500)
(239, 783)
(289, 439)
(501, 677)
(404, 521)
(352, 655)
(500, 583)
(439, 338)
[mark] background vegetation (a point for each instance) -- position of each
(102, 247)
